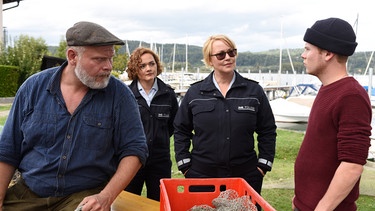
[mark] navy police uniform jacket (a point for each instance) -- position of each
(157, 120)
(221, 130)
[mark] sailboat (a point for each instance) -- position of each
(295, 108)
(179, 80)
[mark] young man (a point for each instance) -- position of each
(74, 132)
(331, 158)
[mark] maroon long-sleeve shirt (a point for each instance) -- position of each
(339, 129)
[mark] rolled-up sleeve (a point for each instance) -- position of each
(129, 133)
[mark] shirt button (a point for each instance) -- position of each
(99, 124)
(227, 110)
(228, 138)
(68, 136)
(64, 157)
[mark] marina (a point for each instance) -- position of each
(293, 94)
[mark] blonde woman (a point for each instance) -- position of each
(217, 120)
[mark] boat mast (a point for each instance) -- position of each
(174, 55)
(281, 52)
(161, 51)
(281, 49)
(186, 52)
(127, 48)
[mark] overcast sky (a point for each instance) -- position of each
(254, 25)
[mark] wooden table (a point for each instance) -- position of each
(131, 202)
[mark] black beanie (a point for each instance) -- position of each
(332, 34)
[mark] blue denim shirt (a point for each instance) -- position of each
(59, 153)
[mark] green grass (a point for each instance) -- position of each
(4, 108)
(2, 120)
(278, 184)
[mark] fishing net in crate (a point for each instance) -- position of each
(228, 200)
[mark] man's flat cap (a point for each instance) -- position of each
(90, 34)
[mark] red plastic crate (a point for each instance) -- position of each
(175, 194)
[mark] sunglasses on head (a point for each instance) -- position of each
(222, 55)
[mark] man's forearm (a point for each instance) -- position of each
(346, 176)
(6, 172)
(126, 170)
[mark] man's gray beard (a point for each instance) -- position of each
(89, 81)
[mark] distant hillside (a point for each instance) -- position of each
(267, 61)
(165, 53)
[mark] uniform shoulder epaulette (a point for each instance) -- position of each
(248, 79)
(197, 82)
(169, 86)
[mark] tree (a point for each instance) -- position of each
(61, 50)
(119, 62)
(27, 54)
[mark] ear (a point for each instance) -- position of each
(329, 55)
(71, 56)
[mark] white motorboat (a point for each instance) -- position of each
(288, 111)
(296, 107)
